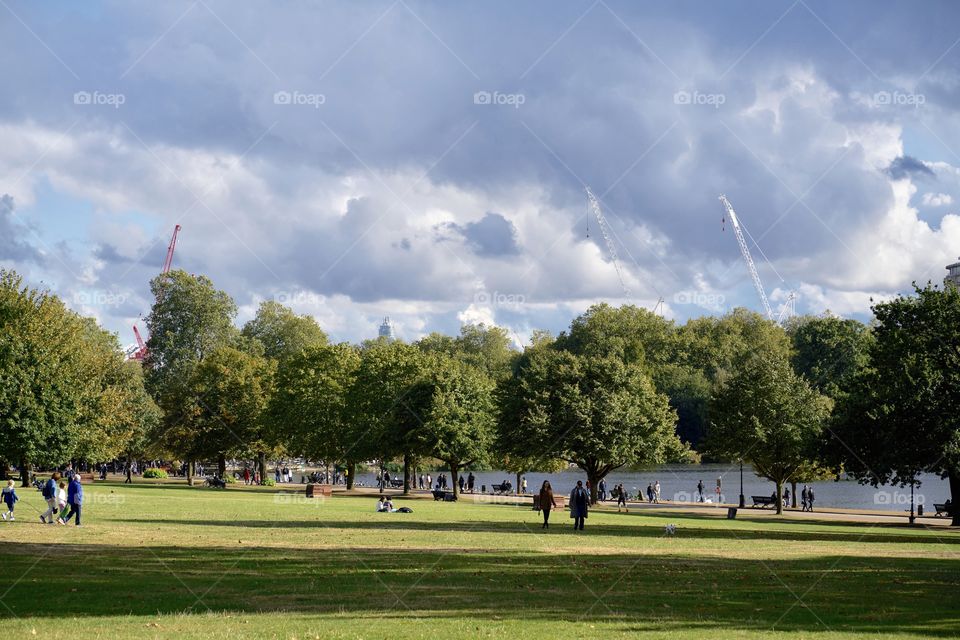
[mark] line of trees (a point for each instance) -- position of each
(621, 388)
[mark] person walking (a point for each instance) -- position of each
(649, 492)
(523, 485)
(49, 493)
(74, 500)
(547, 502)
(602, 489)
(621, 497)
(579, 499)
(462, 482)
(810, 499)
(803, 498)
(429, 482)
(656, 492)
(471, 482)
(9, 499)
(700, 496)
(786, 497)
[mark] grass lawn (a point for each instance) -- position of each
(169, 561)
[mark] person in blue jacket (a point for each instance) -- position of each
(9, 498)
(74, 500)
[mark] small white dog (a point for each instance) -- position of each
(670, 529)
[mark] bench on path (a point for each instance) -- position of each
(505, 487)
(763, 501)
(445, 496)
(396, 483)
(943, 509)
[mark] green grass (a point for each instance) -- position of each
(169, 561)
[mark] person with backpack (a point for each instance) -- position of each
(74, 500)
(49, 492)
(9, 498)
(579, 499)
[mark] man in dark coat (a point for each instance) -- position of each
(579, 499)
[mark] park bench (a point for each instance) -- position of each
(445, 496)
(763, 501)
(215, 483)
(504, 487)
(315, 489)
(943, 509)
(396, 483)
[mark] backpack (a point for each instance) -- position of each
(404, 510)
(48, 489)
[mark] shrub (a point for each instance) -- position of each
(268, 482)
(154, 473)
(229, 479)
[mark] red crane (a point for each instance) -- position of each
(141, 350)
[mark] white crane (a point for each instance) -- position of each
(745, 250)
(605, 231)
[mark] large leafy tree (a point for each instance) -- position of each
(189, 320)
(767, 415)
(453, 406)
(41, 375)
(309, 412)
(229, 393)
(829, 351)
(380, 404)
(903, 415)
(282, 332)
(594, 411)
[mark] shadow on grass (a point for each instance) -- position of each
(767, 530)
(841, 593)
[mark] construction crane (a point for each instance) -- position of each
(140, 351)
(788, 308)
(605, 232)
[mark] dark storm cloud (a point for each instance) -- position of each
(491, 236)
(907, 166)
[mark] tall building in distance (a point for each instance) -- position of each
(953, 274)
(386, 329)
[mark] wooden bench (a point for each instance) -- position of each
(763, 501)
(396, 483)
(324, 490)
(943, 509)
(445, 496)
(502, 488)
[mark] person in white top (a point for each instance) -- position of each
(62, 497)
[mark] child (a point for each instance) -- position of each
(9, 498)
(62, 498)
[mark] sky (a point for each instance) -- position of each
(428, 161)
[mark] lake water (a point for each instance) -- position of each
(678, 483)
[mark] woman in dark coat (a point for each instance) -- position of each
(579, 499)
(547, 502)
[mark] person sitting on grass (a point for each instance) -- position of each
(388, 506)
(381, 505)
(9, 499)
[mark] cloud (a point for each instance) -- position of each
(937, 199)
(12, 248)
(906, 166)
(491, 236)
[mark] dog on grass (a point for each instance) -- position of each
(670, 529)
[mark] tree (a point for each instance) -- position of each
(594, 411)
(454, 406)
(903, 415)
(767, 415)
(379, 401)
(829, 351)
(189, 320)
(309, 410)
(282, 332)
(229, 393)
(41, 376)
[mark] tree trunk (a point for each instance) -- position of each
(517, 491)
(262, 465)
(454, 477)
(222, 465)
(25, 473)
(4, 469)
(594, 478)
(779, 484)
(954, 477)
(793, 493)
(351, 470)
(189, 472)
(406, 474)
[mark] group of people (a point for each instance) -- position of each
(579, 504)
(64, 496)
